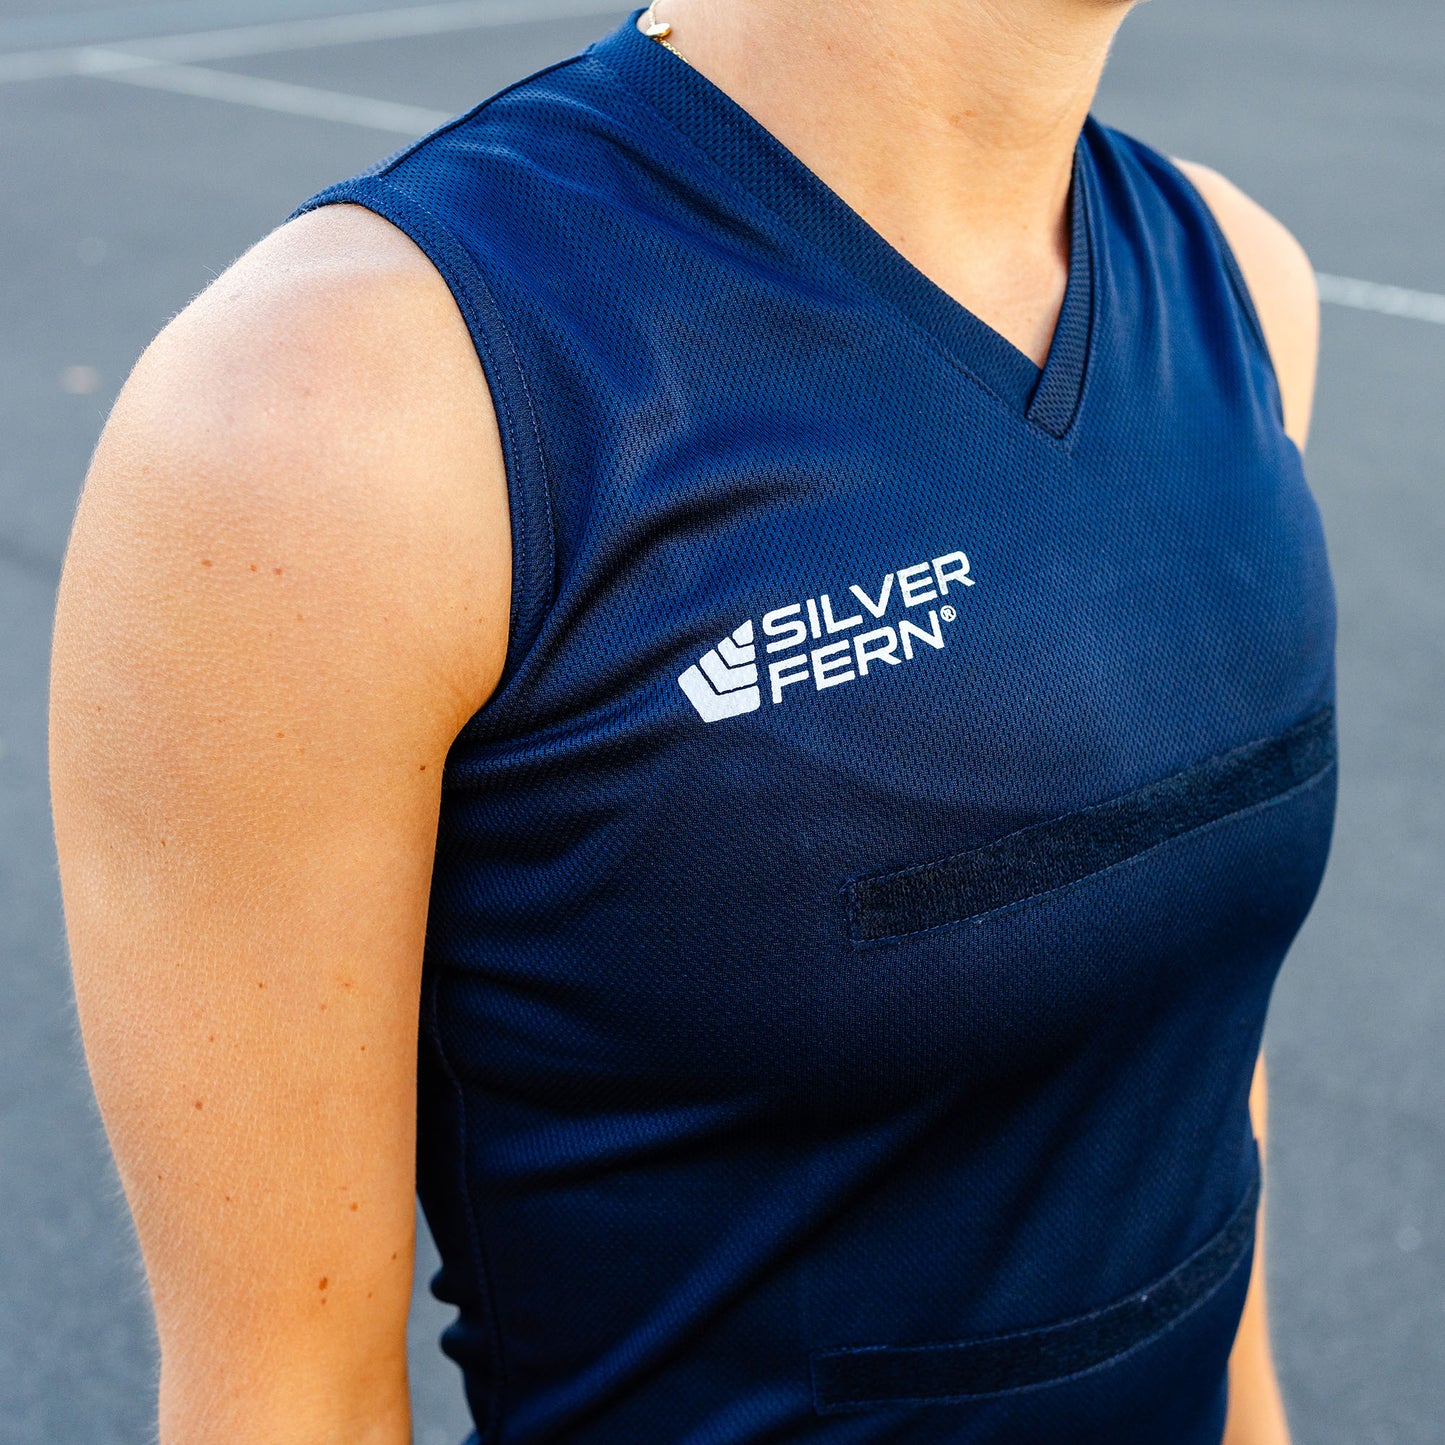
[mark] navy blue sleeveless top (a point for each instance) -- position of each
(856, 909)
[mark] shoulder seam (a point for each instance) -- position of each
(385, 167)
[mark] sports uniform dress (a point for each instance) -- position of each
(856, 909)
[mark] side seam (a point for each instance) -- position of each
(490, 1428)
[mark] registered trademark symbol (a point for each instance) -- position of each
(948, 614)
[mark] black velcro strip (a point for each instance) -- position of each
(1052, 855)
(917, 1374)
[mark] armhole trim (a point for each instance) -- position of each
(1237, 282)
(528, 489)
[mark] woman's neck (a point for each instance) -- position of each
(949, 125)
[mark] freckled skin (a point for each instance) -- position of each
(172, 683)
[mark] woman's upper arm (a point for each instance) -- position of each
(1281, 282)
(287, 588)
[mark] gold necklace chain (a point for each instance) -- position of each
(659, 30)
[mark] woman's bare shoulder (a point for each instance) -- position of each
(1281, 282)
(324, 394)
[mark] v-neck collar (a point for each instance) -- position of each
(742, 146)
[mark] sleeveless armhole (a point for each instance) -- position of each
(528, 492)
(1237, 283)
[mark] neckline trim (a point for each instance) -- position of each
(739, 144)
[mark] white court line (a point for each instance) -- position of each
(1387, 300)
(288, 35)
(274, 95)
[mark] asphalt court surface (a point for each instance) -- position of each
(120, 202)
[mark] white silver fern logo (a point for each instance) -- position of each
(725, 682)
